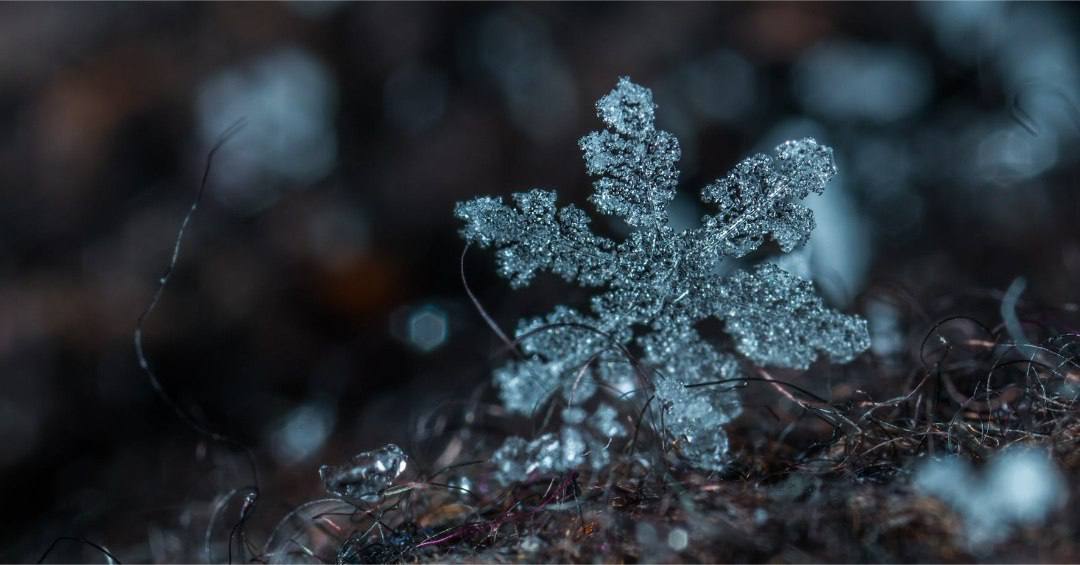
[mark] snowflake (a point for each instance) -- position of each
(655, 286)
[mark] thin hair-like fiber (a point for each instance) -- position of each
(251, 499)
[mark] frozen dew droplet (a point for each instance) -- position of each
(366, 475)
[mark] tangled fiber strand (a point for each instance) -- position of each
(970, 389)
(251, 493)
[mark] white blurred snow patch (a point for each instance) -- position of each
(847, 80)
(1019, 488)
(945, 478)
(288, 99)
(839, 245)
(1028, 485)
(886, 336)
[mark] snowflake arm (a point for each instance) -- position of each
(635, 163)
(536, 236)
(778, 320)
(564, 349)
(761, 197)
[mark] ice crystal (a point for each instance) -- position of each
(655, 286)
(366, 475)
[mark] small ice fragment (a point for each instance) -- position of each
(367, 475)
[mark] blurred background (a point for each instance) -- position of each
(317, 309)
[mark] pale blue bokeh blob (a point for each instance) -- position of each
(849, 81)
(288, 100)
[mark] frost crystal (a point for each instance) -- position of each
(366, 475)
(655, 286)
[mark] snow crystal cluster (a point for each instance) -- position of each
(366, 476)
(652, 288)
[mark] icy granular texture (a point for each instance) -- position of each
(655, 285)
(366, 475)
(548, 454)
